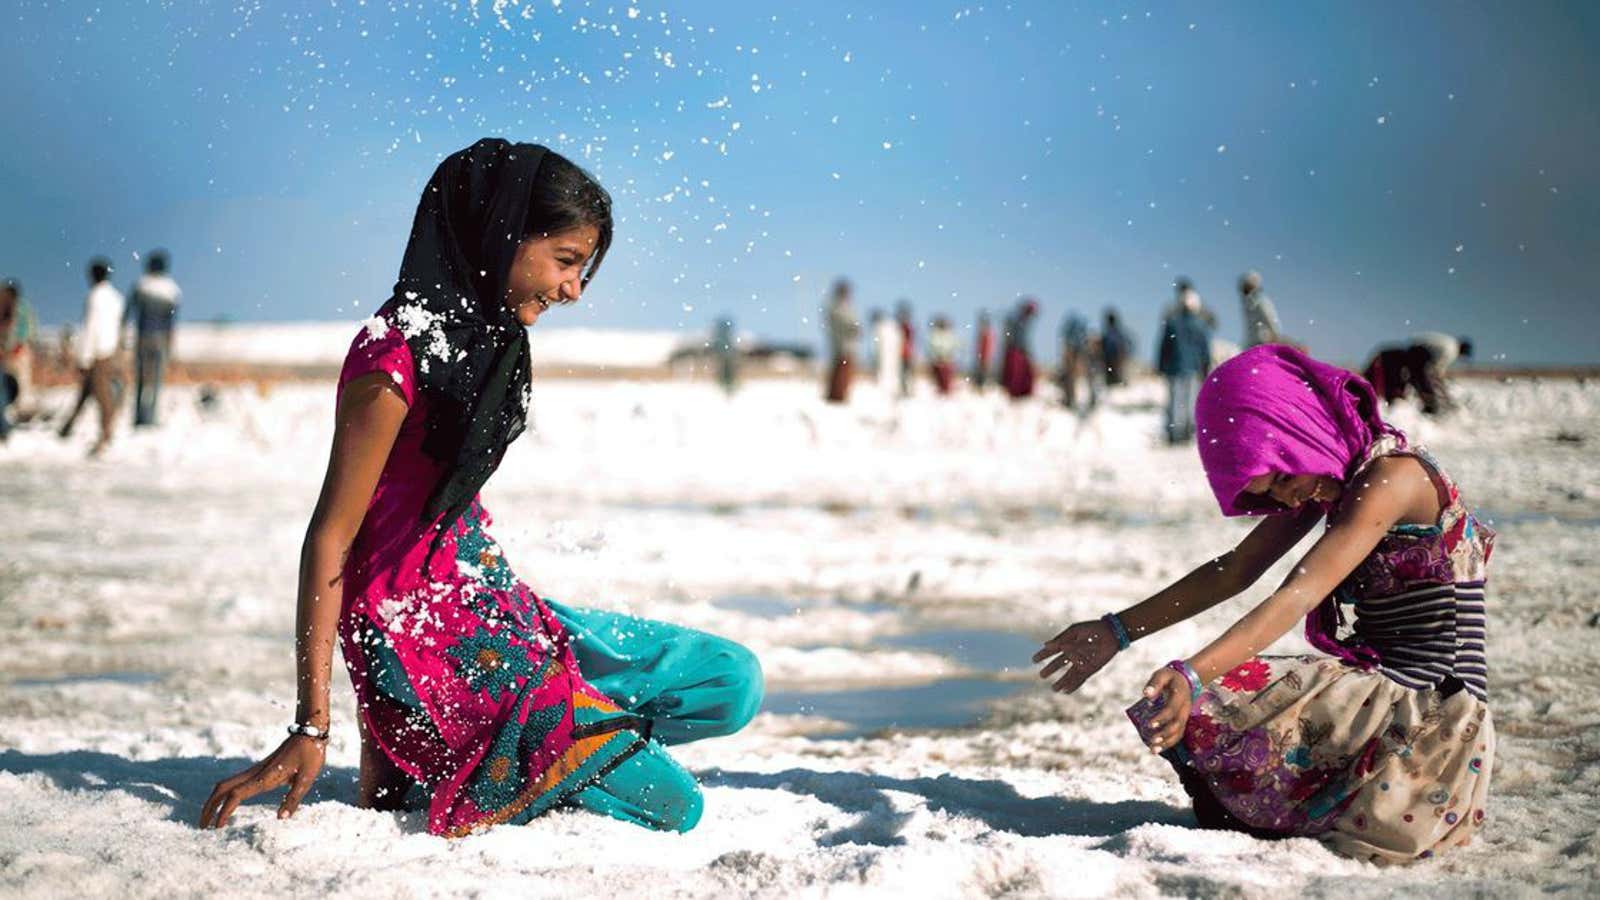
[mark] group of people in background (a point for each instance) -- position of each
(1091, 361)
(95, 349)
(893, 358)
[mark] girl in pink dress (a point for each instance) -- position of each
(497, 703)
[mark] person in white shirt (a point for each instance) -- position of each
(96, 350)
(153, 306)
(1443, 349)
(887, 338)
(942, 346)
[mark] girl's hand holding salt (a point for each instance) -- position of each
(1083, 649)
(296, 762)
(1172, 694)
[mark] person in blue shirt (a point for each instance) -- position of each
(153, 306)
(1115, 347)
(1074, 359)
(1183, 358)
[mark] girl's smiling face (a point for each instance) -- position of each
(549, 270)
(1292, 491)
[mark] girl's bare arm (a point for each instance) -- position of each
(1221, 578)
(1085, 647)
(1390, 493)
(369, 415)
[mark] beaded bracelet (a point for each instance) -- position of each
(1182, 667)
(310, 731)
(1114, 622)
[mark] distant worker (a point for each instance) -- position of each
(725, 346)
(983, 352)
(942, 344)
(844, 330)
(10, 301)
(1183, 358)
(1116, 345)
(154, 307)
(1421, 366)
(1074, 358)
(95, 351)
(1260, 316)
(886, 339)
(18, 328)
(1016, 367)
(908, 346)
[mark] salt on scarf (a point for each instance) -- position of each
(472, 357)
(1274, 409)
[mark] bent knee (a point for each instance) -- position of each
(745, 684)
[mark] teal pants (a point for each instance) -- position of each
(689, 684)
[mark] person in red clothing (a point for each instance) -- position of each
(1016, 370)
(908, 346)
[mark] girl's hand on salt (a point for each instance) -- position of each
(1082, 650)
(1166, 728)
(296, 762)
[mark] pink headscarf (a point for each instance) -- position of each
(1274, 409)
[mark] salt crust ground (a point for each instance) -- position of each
(146, 602)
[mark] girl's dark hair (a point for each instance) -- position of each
(564, 197)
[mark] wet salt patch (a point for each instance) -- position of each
(135, 678)
(759, 606)
(944, 704)
(763, 606)
(1001, 652)
(965, 669)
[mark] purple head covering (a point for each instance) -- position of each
(1274, 409)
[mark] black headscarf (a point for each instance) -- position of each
(471, 353)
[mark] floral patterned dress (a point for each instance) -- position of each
(463, 676)
(1388, 763)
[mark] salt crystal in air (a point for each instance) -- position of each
(375, 327)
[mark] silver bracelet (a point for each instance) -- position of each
(310, 731)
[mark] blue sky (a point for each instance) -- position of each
(1388, 167)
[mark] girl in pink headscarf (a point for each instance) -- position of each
(1383, 747)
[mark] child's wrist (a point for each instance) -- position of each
(1182, 667)
(1118, 630)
